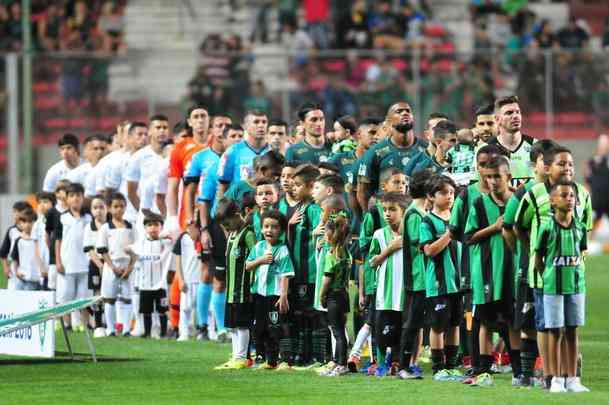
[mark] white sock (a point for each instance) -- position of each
(372, 353)
(125, 314)
(234, 333)
(185, 315)
(244, 341)
(75, 319)
(361, 338)
(156, 320)
(333, 342)
(110, 315)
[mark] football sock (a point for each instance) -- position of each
(319, 339)
(515, 361)
(147, 324)
(110, 313)
(475, 337)
(243, 339)
(437, 360)
(125, 314)
(163, 322)
(98, 314)
(451, 352)
(218, 302)
(234, 334)
(380, 357)
(528, 355)
(203, 298)
(486, 362)
(360, 340)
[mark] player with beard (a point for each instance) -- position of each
(313, 148)
(401, 149)
(277, 136)
(484, 127)
(509, 138)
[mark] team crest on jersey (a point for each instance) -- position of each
(237, 252)
(302, 291)
(405, 160)
(274, 317)
(562, 261)
(361, 171)
(323, 158)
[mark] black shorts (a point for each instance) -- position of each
(369, 315)
(495, 313)
(94, 277)
(414, 310)
(524, 309)
(444, 311)
(153, 299)
(266, 313)
(388, 327)
(239, 315)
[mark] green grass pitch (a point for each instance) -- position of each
(149, 371)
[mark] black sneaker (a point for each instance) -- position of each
(203, 334)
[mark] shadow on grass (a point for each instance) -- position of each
(64, 357)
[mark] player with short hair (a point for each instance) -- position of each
(28, 266)
(68, 146)
(277, 135)
(314, 148)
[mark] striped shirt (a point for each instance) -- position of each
(152, 257)
(238, 280)
(267, 277)
(390, 274)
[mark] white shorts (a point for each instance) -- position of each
(560, 311)
(12, 283)
(72, 286)
(113, 286)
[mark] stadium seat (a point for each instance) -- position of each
(574, 118)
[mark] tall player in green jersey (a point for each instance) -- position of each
(239, 299)
(314, 147)
(442, 278)
(492, 266)
(559, 249)
(515, 144)
(400, 147)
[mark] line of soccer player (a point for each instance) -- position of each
(449, 238)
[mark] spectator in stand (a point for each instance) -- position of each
(600, 102)
(605, 38)
(355, 72)
(596, 177)
(298, 41)
(111, 24)
(353, 29)
(260, 28)
(317, 13)
(573, 36)
(5, 40)
(79, 25)
(13, 27)
(258, 99)
(545, 36)
(388, 27)
(49, 27)
(200, 88)
(286, 14)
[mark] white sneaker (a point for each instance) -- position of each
(99, 332)
(558, 385)
(574, 384)
(183, 338)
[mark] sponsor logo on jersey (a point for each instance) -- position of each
(562, 261)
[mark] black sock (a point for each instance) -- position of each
(515, 361)
(450, 352)
(475, 337)
(486, 362)
(437, 360)
(163, 321)
(147, 324)
(528, 355)
(98, 316)
(548, 381)
(285, 350)
(319, 339)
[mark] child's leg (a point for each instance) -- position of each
(125, 313)
(553, 353)
(319, 335)
(145, 306)
(162, 308)
(360, 340)
(204, 292)
(218, 302)
(185, 314)
(571, 342)
(436, 342)
(515, 345)
(486, 347)
(337, 321)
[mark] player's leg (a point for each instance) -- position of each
(204, 292)
(125, 293)
(438, 318)
(217, 265)
(109, 291)
(146, 305)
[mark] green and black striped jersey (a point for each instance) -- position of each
(238, 280)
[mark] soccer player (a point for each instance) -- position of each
(511, 140)
(94, 149)
(72, 263)
(442, 279)
(485, 126)
(287, 203)
(51, 226)
(115, 150)
(270, 261)
(433, 120)
(386, 257)
(492, 266)
(396, 151)
(99, 211)
(237, 161)
(413, 317)
(29, 268)
(461, 158)
(188, 269)
(443, 139)
(277, 136)
(11, 235)
(45, 202)
(70, 159)
(239, 301)
(314, 148)
(334, 295)
(113, 239)
(151, 254)
(233, 133)
(347, 161)
(560, 248)
(302, 247)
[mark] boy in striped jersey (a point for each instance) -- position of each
(442, 279)
(270, 261)
(239, 300)
(560, 249)
(152, 255)
(386, 257)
